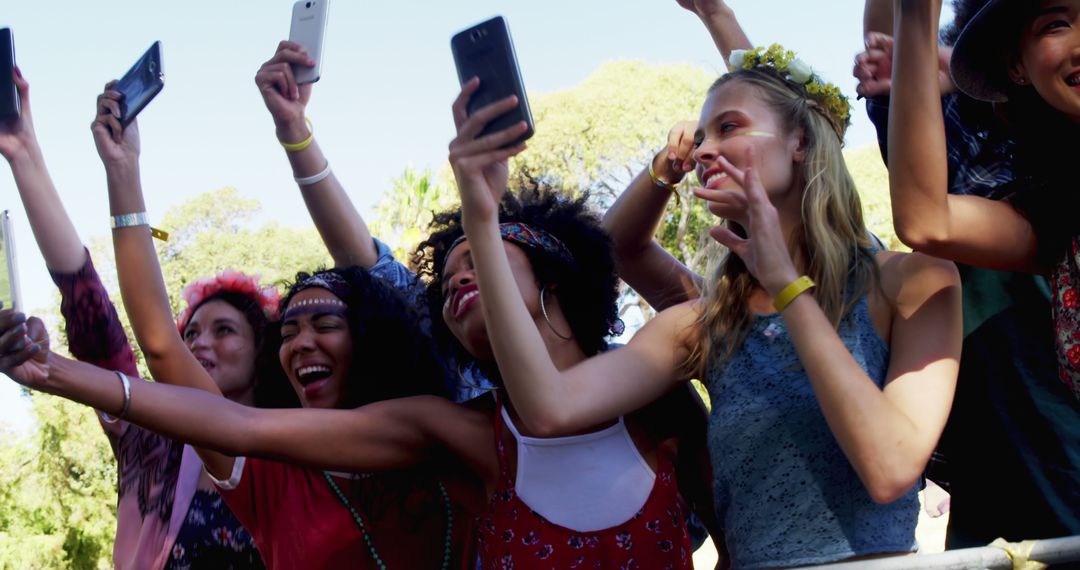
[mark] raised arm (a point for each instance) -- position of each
(93, 328)
(967, 229)
(53, 230)
(719, 19)
(339, 223)
(141, 285)
(549, 400)
(634, 218)
(381, 436)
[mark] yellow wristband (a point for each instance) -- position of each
(788, 294)
(298, 146)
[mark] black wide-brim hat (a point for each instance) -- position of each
(981, 55)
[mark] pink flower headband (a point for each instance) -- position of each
(232, 281)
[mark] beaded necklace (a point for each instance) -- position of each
(367, 537)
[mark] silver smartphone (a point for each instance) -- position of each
(9, 280)
(308, 29)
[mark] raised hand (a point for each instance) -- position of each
(703, 8)
(764, 250)
(116, 144)
(24, 349)
(17, 135)
(676, 159)
(283, 96)
(481, 164)
(873, 67)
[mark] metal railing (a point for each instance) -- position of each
(1050, 551)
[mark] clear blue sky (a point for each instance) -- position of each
(382, 104)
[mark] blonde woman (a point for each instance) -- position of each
(831, 364)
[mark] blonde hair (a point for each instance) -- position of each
(832, 242)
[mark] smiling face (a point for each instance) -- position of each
(1049, 58)
(316, 348)
(462, 310)
(734, 118)
(222, 340)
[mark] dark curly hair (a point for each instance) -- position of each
(393, 357)
(586, 287)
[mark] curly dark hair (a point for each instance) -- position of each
(393, 357)
(586, 287)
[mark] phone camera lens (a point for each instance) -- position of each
(308, 4)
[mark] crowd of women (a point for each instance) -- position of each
(468, 412)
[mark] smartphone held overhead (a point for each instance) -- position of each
(309, 29)
(10, 106)
(9, 279)
(141, 84)
(486, 51)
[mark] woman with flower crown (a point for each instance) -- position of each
(830, 364)
(167, 506)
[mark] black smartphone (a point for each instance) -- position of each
(10, 106)
(486, 51)
(140, 84)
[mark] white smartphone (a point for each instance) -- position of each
(308, 29)
(9, 280)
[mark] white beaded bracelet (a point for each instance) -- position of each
(314, 178)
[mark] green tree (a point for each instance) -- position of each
(58, 485)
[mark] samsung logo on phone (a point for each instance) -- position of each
(307, 18)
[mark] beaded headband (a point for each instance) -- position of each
(528, 237)
(302, 305)
(229, 280)
(831, 102)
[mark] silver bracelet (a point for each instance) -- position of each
(129, 220)
(127, 400)
(314, 178)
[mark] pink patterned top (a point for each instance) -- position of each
(157, 476)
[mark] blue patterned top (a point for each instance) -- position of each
(785, 492)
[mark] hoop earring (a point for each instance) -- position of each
(546, 318)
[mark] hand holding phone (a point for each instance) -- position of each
(9, 278)
(308, 29)
(10, 104)
(140, 84)
(487, 52)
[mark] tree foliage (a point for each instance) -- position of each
(58, 484)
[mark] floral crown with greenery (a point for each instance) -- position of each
(828, 96)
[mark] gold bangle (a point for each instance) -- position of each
(299, 146)
(657, 181)
(664, 184)
(788, 294)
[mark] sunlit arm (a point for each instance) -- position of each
(340, 225)
(967, 229)
(550, 401)
(632, 221)
(381, 436)
(888, 435)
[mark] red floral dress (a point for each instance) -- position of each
(1066, 302)
(511, 536)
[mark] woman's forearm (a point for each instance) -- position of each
(340, 225)
(632, 221)
(143, 289)
(55, 234)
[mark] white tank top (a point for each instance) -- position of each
(586, 482)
